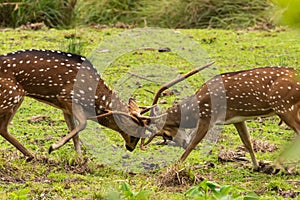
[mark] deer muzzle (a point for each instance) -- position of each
(132, 143)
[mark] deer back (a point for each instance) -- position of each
(237, 96)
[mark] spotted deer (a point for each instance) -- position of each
(70, 83)
(233, 98)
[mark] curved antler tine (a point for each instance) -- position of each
(147, 108)
(151, 138)
(142, 145)
(134, 118)
(163, 88)
(137, 116)
(152, 117)
(174, 81)
(100, 116)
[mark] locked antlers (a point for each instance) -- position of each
(136, 112)
(163, 88)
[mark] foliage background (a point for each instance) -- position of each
(162, 13)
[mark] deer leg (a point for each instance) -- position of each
(4, 133)
(142, 145)
(245, 137)
(71, 125)
(292, 119)
(79, 115)
(198, 136)
(4, 122)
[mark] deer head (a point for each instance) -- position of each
(176, 116)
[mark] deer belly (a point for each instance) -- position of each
(237, 119)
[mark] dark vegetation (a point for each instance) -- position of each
(124, 13)
(56, 13)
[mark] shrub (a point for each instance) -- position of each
(159, 13)
(174, 13)
(107, 11)
(54, 13)
(211, 190)
(6, 10)
(204, 13)
(287, 12)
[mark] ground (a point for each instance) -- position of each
(107, 170)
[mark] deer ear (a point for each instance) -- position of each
(134, 111)
(133, 107)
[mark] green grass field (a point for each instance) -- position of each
(106, 165)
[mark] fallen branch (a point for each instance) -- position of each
(144, 78)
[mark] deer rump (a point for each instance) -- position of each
(251, 93)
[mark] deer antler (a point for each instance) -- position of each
(136, 111)
(147, 108)
(163, 88)
(152, 137)
(110, 112)
(177, 80)
(136, 117)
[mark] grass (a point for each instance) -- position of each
(57, 13)
(107, 170)
(128, 13)
(203, 14)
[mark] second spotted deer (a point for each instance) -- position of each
(68, 82)
(233, 98)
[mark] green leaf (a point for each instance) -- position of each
(194, 192)
(212, 185)
(251, 196)
(224, 190)
(113, 195)
(125, 187)
(289, 10)
(143, 195)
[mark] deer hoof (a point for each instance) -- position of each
(50, 149)
(30, 158)
(143, 148)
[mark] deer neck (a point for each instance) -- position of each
(107, 100)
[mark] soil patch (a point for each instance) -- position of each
(177, 176)
(260, 146)
(231, 156)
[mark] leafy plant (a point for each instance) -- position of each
(54, 13)
(162, 13)
(288, 12)
(130, 195)
(74, 45)
(106, 11)
(211, 190)
(174, 13)
(20, 195)
(204, 13)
